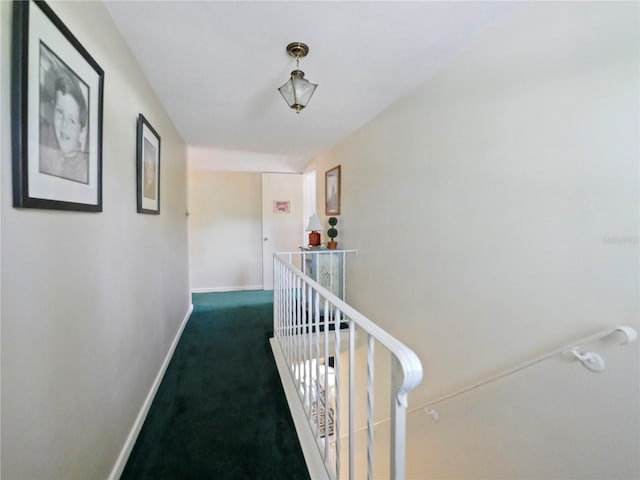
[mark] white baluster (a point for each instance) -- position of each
(336, 419)
(299, 336)
(352, 387)
(296, 327)
(326, 380)
(289, 316)
(310, 356)
(317, 362)
(303, 340)
(398, 407)
(370, 393)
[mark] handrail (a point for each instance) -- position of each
(590, 360)
(409, 361)
(304, 312)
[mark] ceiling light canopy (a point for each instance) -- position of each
(298, 90)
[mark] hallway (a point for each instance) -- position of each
(220, 411)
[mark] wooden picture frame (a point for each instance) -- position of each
(56, 114)
(147, 167)
(332, 192)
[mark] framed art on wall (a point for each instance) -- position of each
(56, 112)
(281, 206)
(332, 191)
(148, 167)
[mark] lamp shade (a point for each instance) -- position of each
(297, 91)
(314, 224)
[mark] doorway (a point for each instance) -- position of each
(282, 219)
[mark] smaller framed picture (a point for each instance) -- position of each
(148, 167)
(281, 206)
(332, 191)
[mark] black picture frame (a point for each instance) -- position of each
(56, 112)
(147, 167)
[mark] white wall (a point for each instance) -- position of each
(215, 160)
(90, 301)
(225, 230)
(495, 213)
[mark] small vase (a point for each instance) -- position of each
(332, 245)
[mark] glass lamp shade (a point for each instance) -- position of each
(297, 91)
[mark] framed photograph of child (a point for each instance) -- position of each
(148, 167)
(56, 112)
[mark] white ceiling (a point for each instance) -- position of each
(216, 66)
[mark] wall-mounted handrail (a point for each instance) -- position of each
(304, 314)
(590, 360)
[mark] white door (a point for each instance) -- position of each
(282, 220)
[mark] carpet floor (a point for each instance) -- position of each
(220, 411)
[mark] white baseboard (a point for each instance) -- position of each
(312, 457)
(121, 462)
(225, 289)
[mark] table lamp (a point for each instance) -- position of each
(314, 227)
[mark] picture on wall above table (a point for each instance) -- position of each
(332, 191)
(148, 167)
(56, 113)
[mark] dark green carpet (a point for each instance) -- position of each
(220, 412)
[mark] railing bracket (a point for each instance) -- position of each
(591, 360)
(434, 414)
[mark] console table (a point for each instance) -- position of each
(326, 267)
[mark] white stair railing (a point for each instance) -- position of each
(314, 329)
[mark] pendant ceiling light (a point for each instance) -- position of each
(298, 90)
